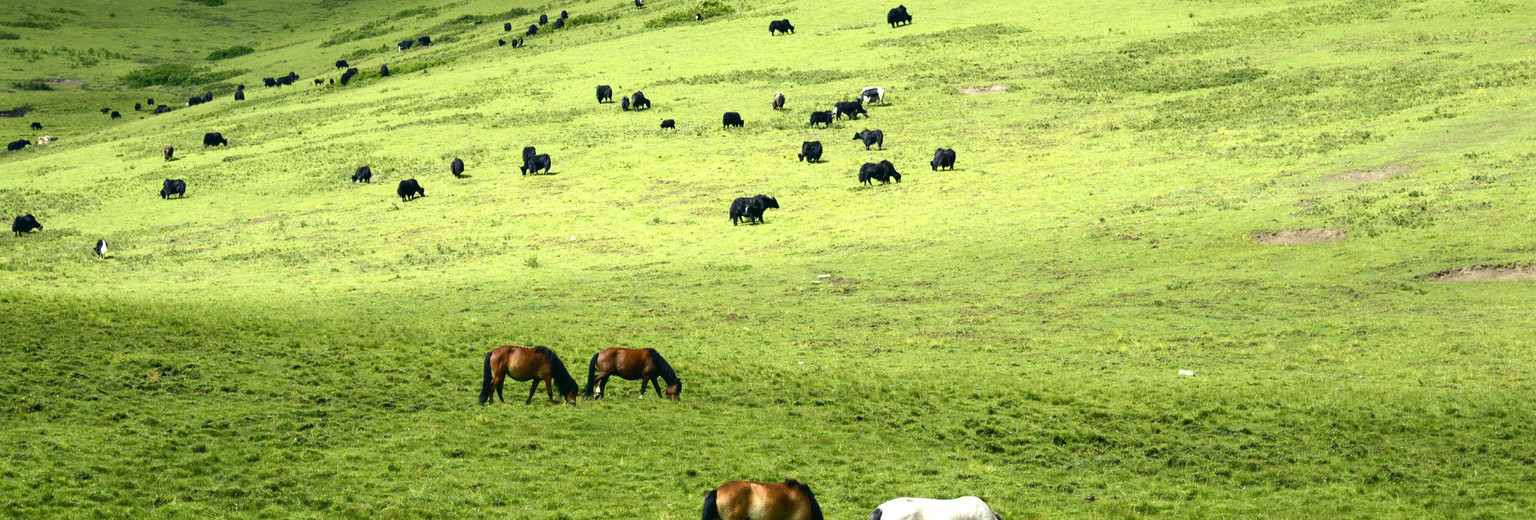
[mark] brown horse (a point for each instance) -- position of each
(761, 501)
(644, 364)
(537, 364)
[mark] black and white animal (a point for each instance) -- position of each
(167, 152)
(25, 224)
(536, 163)
(363, 175)
(778, 101)
(780, 27)
(871, 137)
(214, 139)
(732, 119)
(898, 16)
(409, 190)
(384, 70)
(638, 99)
(533, 30)
(624, 103)
(37, 126)
(175, 187)
(342, 64)
(872, 95)
(346, 77)
(604, 94)
(668, 123)
(883, 171)
(639, 4)
(405, 45)
(810, 151)
(751, 209)
(17, 144)
(457, 167)
(852, 109)
(101, 248)
(822, 118)
(943, 158)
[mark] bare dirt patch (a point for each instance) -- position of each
(1489, 273)
(1379, 173)
(1298, 237)
(59, 81)
(982, 91)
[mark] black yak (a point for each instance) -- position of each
(363, 175)
(342, 64)
(943, 158)
(751, 209)
(898, 16)
(639, 99)
(175, 187)
(780, 27)
(25, 224)
(871, 137)
(732, 119)
(457, 167)
(17, 144)
(810, 151)
(536, 163)
(346, 77)
(822, 118)
(668, 123)
(214, 139)
(852, 109)
(604, 94)
(409, 189)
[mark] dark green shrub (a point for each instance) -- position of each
(175, 74)
(224, 54)
(209, 3)
(709, 8)
(31, 85)
(9, 36)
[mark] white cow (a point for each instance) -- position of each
(906, 508)
(45, 140)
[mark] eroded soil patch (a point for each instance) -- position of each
(1298, 237)
(1380, 173)
(982, 91)
(1489, 273)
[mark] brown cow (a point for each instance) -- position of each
(169, 151)
(319, 81)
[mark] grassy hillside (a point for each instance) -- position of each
(283, 343)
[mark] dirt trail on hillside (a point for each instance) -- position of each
(1299, 237)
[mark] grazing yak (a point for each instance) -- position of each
(162, 109)
(269, 82)
(138, 106)
(37, 126)
(116, 115)
(780, 27)
(560, 23)
(208, 96)
(898, 16)
(528, 153)
(872, 95)
(778, 101)
(823, 118)
(409, 190)
(214, 139)
(194, 101)
(346, 77)
(342, 64)
(321, 81)
(639, 99)
(175, 187)
(501, 43)
(384, 71)
(149, 101)
(883, 171)
(871, 137)
(943, 158)
(25, 224)
(751, 209)
(507, 27)
(604, 94)
(668, 123)
(733, 119)
(533, 30)
(405, 45)
(536, 163)
(424, 41)
(624, 103)
(639, 4)
(852, 109)
(364, 175)
(240, 95)
(46, 139)
(105, 110)
(564, 15)
(456, 168)
(543, 19)
(810, 151)
(17, 144)
(168, 152)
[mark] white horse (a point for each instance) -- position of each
(906, 508)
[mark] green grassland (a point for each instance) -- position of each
(285, 344)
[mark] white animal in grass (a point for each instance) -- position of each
(906, 508)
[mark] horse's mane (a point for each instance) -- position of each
(815, 507)
(664, 367)
(562, 376)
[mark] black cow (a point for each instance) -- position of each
(604, 94)
(17, 144)
(543, 19)
(25, 224)
(943, 158)
(384, 71)
(507, 27)
(533, 30)
(639, 4)
(214, 139)
(732, 119)
(116, 115)
(536, 163)
(883, 171)
(405, 45)
(457, 167)
(138, 106)
(346, 77)
(409, 189)
(208, 96)
(559, 23)
(824, 118)
(528, 154)
(106, 111)
(193, 101)
(852, 109)
(501, 43)
(810, 151)
(270, 82)
(778, 101)
(424, 41)
(898, 16)
(751, 209)
(175, 187)
(363, 175)
(564, 15)
(37, 126)
(624, 103)
(342, 64)
(668, 123)
(150, 101)
(239, 95)
(871, 137)
(162, 109)
(639, 99)
(780, 27)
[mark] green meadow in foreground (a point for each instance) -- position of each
(1322, 208)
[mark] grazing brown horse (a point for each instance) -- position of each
(644, 364)
(761, 501)
(537, 364)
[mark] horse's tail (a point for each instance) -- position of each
(876, 515)
(485, 383)
(591, 375)
(710, 511)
